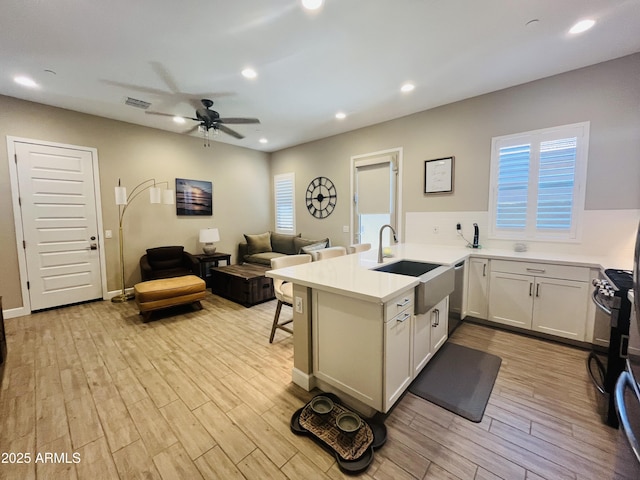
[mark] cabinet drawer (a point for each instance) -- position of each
(567, 272)
(400, 303)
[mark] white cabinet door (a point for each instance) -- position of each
(398, 372)
(477, 288)
(421, 340)
(439, 324)
(511, 299)
(560, 307)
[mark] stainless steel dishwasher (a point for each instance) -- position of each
(455, 300)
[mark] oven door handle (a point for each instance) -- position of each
(594, 297)
(626, 380)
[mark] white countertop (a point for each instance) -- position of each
(352, 275)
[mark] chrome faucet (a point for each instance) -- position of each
(395, 239)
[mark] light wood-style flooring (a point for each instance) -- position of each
(202, 394)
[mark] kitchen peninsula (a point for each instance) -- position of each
(355, 329)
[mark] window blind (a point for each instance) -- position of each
(284, 192)
(513, 187)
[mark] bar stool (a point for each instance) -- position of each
(358, 247)
(284, 290)
(330, 252)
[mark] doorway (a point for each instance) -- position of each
(56, 201)
(376, 194)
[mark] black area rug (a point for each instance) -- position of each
(459, 379)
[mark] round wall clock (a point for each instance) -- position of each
(321, 197)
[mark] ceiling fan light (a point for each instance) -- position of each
(341, 115)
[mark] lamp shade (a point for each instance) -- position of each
(167, 197)
(209, 235)
(121, 195)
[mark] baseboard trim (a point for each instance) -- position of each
(15, 312)
(304, 380)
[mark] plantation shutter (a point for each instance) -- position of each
(513, 187)
(284, 192)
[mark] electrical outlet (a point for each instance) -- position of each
(299, 304)
(108, 234)
(345, 229)
(436, 229)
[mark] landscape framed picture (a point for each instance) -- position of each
(194, 197)
(438, 175)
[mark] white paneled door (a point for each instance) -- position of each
(59, 221)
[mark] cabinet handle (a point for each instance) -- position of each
(404, 302)
(537, 290)
(536, 270)
(484, 270)
(530, 289)
(404, 318)
(436, 313)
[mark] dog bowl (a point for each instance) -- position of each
(348, 423)
(321, 405)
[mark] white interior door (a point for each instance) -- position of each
(59, 222)
(375, 193)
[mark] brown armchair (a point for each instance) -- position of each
(164, 262)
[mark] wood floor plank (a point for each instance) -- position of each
(96, 461)
(257, 466)
(174, 463)
(154, 430)
(84, 423)
(215, 465)
(133, 461)
(189, 431)
(235, 444)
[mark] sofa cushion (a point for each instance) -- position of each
(165, 258)
(283, 243)
(263, 258)
(298, 243)
(258, 243)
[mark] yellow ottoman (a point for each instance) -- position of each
(168, 292)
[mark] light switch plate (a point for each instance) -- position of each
(108, 234)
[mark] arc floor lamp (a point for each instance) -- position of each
(156, 195)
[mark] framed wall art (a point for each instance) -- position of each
(438, 175)
(194, 197)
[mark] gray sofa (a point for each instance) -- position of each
(260, 249)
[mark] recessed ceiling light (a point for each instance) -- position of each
(25, 81)
(341, 115)
(407, 87)
(582, 26)
(312, 4)
(178, 119)
(249, 73)
(263, 140)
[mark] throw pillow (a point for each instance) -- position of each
(298, 243)
(314, 246)
(258, 243)
(283, 243)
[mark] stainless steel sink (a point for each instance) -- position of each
(436, 281)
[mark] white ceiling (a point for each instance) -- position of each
(351, 56)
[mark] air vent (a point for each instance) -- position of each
(134, 102)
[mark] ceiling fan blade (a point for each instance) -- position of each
(227, 130)
(192, 129)
(170, 115)
(238, 120)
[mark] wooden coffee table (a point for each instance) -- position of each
(244, 284)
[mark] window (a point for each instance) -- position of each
(284, 194)
(537, 183)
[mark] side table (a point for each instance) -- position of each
(206, 260)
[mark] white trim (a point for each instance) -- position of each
(304, 380)
(381, 156)
(17, 217)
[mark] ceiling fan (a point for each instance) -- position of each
(210, 120)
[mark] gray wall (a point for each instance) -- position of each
(607, 95)
(240, 177)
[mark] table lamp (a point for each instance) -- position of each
(208, 236)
